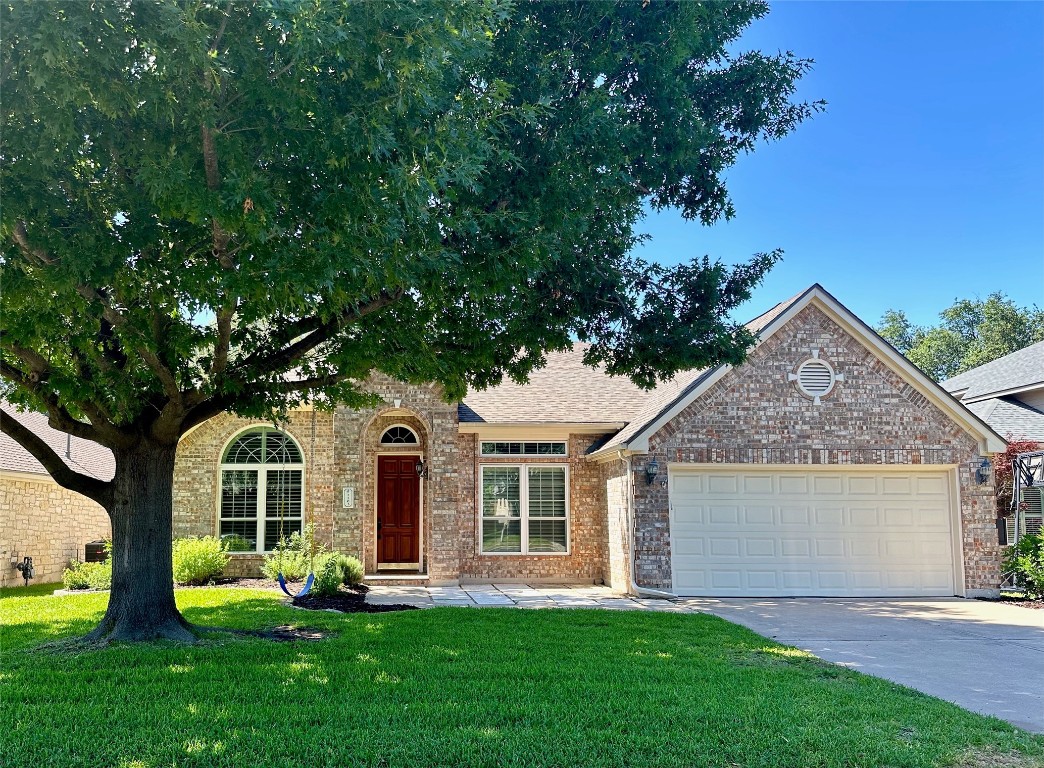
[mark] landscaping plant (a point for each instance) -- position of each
(353, 570)
(292, 556)
(88, 575)
(198, 560)
(1025, 562)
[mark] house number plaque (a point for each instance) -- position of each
(348, 498)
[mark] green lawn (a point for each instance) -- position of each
(459, 686)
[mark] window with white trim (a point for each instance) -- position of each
(525, 509)
(262, 490)
(527, 448)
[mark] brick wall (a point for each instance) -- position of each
(41, 519)
(588, 535)
(753, 414)
(616, 567)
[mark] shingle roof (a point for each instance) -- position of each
(1012, 419)
(565, 390)
(1023, 368)
(84, 456)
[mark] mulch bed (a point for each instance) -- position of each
(348, 600)
(1038, 604)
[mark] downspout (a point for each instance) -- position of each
(632, 524)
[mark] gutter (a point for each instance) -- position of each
(632, 525)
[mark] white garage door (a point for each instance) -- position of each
(823, 533)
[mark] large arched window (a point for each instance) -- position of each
(262, 490)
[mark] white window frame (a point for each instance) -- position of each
(262, 487)
(545, 456)
(416, 438)
(524, 508)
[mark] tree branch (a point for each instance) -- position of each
(91, 487)
(323, 331)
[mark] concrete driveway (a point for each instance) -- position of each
(986, 657)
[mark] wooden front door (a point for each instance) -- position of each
(398, 510)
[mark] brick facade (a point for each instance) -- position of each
(587, 520)
(755, 415)
(41, 519)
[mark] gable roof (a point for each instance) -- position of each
(563, 391)
(84, 456)
(1011, 418)
(635, 437)
(1018, 371)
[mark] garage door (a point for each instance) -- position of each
(829, 533)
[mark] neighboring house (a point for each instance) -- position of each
(826, 464)
(1008, 393)
(39, 518)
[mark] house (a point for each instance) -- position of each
(39, 518)
(826, 464)
(1008, 393)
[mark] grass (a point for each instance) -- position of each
(459, 686)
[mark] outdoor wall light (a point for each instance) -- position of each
(652, 469)
(422, 469)
(984, 471)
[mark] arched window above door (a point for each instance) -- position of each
(399, 434)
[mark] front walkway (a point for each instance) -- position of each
(520, 596)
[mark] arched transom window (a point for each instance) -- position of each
(262, 490)
(399, 435)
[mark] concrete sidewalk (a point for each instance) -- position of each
(521, 596)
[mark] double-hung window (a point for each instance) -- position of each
(262, 483)
(525, 509)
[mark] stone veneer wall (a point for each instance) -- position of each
(754, 415)
(41, 519)
(588, 535)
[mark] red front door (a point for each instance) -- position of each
(398, 510)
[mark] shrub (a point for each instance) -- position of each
(233, 542)
(329, 573)
(353, 570)
(88, 575)
(197, 561)
(1025, 561)
(292, 556)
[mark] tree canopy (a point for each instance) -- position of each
(970, 333)
(214, 205)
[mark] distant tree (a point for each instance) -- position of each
(971, 332)
(218, 206)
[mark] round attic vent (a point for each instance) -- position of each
(815, 378)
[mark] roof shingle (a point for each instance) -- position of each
(84, 456)
(1023, 368)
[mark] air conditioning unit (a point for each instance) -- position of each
(1031, 517)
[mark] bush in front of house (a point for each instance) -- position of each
(198, 560)
(233, 542)
(353, 570)
(292, 556)
(1025, 561)
(329, 573)
(88, 575)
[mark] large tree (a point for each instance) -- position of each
(235, 206)
(970, 333)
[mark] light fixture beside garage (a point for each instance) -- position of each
(815, 378)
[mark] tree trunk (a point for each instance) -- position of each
(141, 602)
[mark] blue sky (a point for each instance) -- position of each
(923, 181)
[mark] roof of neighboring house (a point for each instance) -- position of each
(1019, 370)
(1009, 417)
(84, 456)
(565, 390)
